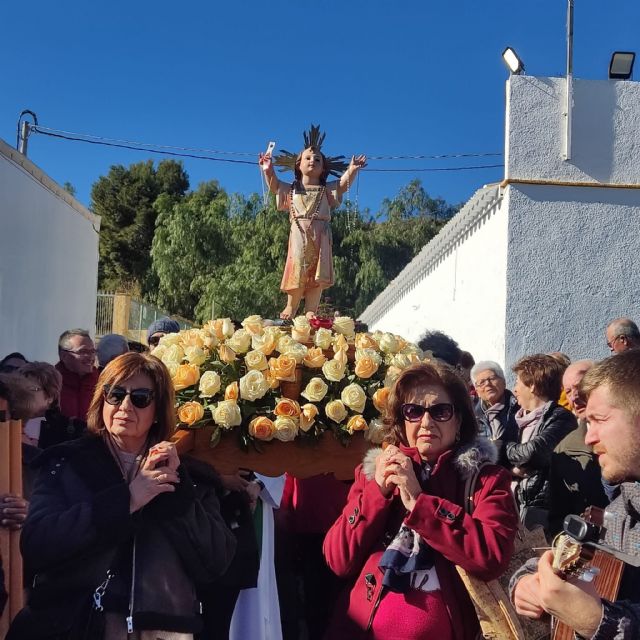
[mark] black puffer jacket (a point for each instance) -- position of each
(79, 526)
(534, 457)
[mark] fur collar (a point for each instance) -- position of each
(466, 459)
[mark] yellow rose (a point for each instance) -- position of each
(190, 412)
(403, 360)
(172, 368)
(253, 325)
(256, 360)
(227, 414)
(253, 386)
(344, 325)
(209, 384)
(340, 343)
(357, 423)
(284, 341)
(308, 416)
(365, 341)
(301, 329)
(195, 355)
(376, 432)
(232, 391)
(223, 328)
(210, 341)
(336, 411)
(240, 341)
(159, 351)
(261, 428)
(365, 367)
(315, 390)
(314, 358)
(271, 379)
(265, 343)
(389, 343)
(192, 338)
(286, 428)
(173, 353)
(354, 397)
(333, 370)
(287, 407)
(284, 367)
(381, 399)
(185, 376)
(170, 339)
(226, 354)
(297, 351)
(323, 338)
(341, 356)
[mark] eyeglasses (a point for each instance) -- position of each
(613, 342)
(82, 353)
(486, 381)
(440, 412)
(140, 398)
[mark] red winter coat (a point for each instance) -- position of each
(77, 392)
(481, 543)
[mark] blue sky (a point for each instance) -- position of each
(382, 78)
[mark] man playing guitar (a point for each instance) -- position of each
(612, 391)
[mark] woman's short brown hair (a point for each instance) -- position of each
(46, 376)
(543, 373)
(124, 367)
(418, 376)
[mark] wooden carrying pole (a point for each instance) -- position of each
(10, 482)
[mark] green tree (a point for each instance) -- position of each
(125, 200)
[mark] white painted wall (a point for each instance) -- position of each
(48, 260)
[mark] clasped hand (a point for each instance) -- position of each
(395, 470)
(158, 474)
(13, 511)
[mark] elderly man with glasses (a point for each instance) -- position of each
(622, 334)
(496, 406)
(79, 373)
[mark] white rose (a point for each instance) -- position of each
(253, 324)
(301, 329)
(315, 390)
(354, 397)
(227, 328)
(253, 386)
(240, 341)
(345, 325)
(286, 428)
(227, 414)
(195, 355)
(159, 351)
(173, 354)
(170, 339)
(323, 338)
(370, 353)
(389, 343)
(209, 384)
(284, 341)
(333, 370)
(265, 343)
(297, 351)
(256, 360)
(336, 411)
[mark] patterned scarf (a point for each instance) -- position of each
(408, 558)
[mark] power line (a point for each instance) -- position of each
(181, 152)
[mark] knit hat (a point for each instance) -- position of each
(163, 325)
(111, 346)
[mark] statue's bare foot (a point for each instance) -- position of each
(286, 313)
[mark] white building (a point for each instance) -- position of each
(542, 261)
(48, 260)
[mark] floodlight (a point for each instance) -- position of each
(512, 60)
(621, 65)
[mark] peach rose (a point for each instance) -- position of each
(262, 428)
(286, 428)
(223, 328)
(381, 399)
(287, 407)
(253, 386)
(354, 397)
(365, 367)
(209, 384)
(357, 423)
(340, 343)
(315, 390)
(226, 354)
(256, 360)
(190, 412)
(336, 411)
(284, 367)
(232, 391)
(265, 343)
(227, 414)
(365, 341)
(270, 377)
(333, 370)
(314, 358)
(192, 338)
(308, 416)
(185, 376)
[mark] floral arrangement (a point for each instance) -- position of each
(264, 382)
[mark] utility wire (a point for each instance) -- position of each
(180, 152)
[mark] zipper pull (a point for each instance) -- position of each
(129, 624)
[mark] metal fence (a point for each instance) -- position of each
(120, 313)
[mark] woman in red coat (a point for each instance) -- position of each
(405, 526)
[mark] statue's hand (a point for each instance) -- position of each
(358, 162)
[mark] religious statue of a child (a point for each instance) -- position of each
(309, 200)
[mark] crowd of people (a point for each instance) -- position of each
(122, 537)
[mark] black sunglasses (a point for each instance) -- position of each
(140, 398)
(440, 412)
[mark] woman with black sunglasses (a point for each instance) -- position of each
(405, 526)
(117, 518)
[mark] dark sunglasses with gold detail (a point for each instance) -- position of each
(140, 398)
